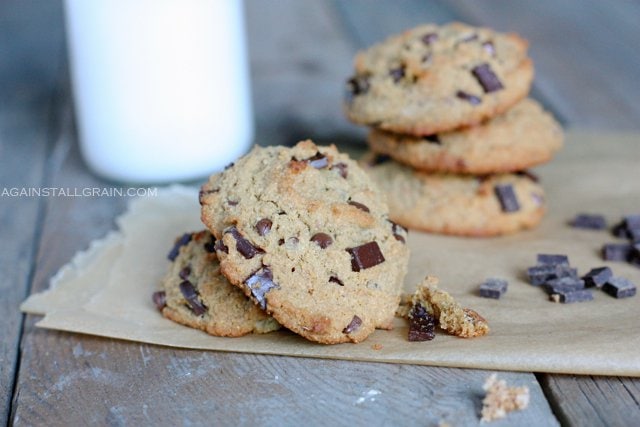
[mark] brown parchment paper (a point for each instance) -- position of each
(106, 290)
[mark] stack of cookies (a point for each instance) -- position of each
(298, 237)
(452, 129)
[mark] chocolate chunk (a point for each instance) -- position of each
(634, 234)
(220, 246)
(357, 85)
(183, 240)
(429, 38)
(358, 205)
(159, 299)
(229, 166)
(397, 74)
(421, 324)
(263, 226)
(355, 323)
(541, 274)
(232, 202)
(432, 139)
(185, 272)
(472, 99)
(243, 245)
(379, 159)
(396, 229)
(365, 256)
(563, 284)
(567, 297)
(493, 288)
(191, 295)
(620, 230)
(552, 259)
(489, 48)
(336, 279)
(318, 161)
(487, 78)
(322, 239)
(632, 221)
(210, 246)
(589, 221)
(342, 168)
(260, 283)
(617, 251)
(507, 197)
(597, 277)
(619, 287)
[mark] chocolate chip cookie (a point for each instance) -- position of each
(521, 138)
(196, 294)
(458, 204)
(305, 233)
(433, 79)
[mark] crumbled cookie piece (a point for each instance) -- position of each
(501, 399)
(453, 318)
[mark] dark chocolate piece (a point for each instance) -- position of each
(395, 229)
(487, 78)
(507, 197)
(397, 74)
(421, 324)
(365, 256)
(243, 245)
(493, 288)
(191, 295)
(185, 272)
(634, 234)
(552, 259)
(563, 284)
(541, 274)
(358, 205)
(322, 239)
(617, 251)
(619, 287)
(336, 279)
(620, 230)
(589, 221)
(568, 297)
(632, 221)
(260, 283)
(343, 169)
(159, 299)
(180, 242)
(229, 166)
(210, 246)
(220, 246)
(472, 99)
(356, 85)
(232, 202)
(355, 323)
(597, 277)
(263, 226)
(429, 38)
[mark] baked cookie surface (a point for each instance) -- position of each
(431, 79)
(197, 295)
(305, 233)
(457, 204)
(520, 138)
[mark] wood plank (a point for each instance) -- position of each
(27, 84)
(584, 53)
(72, 379)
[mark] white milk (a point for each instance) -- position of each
(161, 87)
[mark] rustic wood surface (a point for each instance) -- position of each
(300, 54)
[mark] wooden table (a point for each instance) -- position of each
(587, 73)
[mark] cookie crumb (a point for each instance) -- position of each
(501, 399)
(377, 347)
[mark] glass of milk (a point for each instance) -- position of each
(161, 87)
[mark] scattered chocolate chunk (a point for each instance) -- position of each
(629, 227)
(619, 287)
(280, 242)
(210, 246)
(159, 299)
(358, 205)
(567, 297)
(472, 99)
(357, 85)
(322, 239)
(617, 251)
(597, 277)
(379, 159)
(589, 221)
(232, 202)
(552, 259)
(489, 48)
(185, 272)
(507, 197)
(336, 279)
(532, 176)
(365, 256)
(263, 226)
(541, 274)
(397, 74)
(229, 166)
(260, 283)
(355, 323)
(191, 295)
(220, 246)
(487, 78)
(619, 230)
(318, 161)
(421, 324)
(183, 240)
(342, 168)
(429, 38)
(432, 139)
(493, 288)
(243, 245)
(563, 284)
